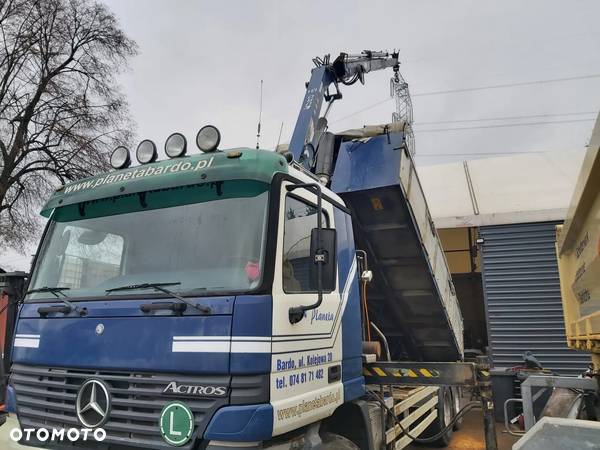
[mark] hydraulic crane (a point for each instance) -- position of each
(345, 69)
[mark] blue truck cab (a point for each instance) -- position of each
(221, 230)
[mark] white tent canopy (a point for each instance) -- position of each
(534, 187)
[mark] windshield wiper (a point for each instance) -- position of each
(161, 287)
(57, 291)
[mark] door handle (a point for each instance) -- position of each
(334, 373)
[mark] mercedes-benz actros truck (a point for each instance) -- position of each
(245, 299)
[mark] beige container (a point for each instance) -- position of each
(578, 250)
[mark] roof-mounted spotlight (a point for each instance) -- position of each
(120, 158)
(175, 145)
(146, 152)
(208, 138)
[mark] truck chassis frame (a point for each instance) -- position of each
(430, 376)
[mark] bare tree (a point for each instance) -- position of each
(61, 110)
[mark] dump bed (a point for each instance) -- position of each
(412, 297)
(578, 247)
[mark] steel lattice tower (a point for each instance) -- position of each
(404, 112)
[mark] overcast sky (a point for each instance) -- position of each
(201, 62)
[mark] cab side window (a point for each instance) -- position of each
(300, 219)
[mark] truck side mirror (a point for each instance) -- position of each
(324, 256)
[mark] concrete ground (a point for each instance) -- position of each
(470, 435)
(6, 443)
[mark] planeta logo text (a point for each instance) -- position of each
(318, 316)
(193, 389)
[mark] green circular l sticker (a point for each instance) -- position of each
(176, 423)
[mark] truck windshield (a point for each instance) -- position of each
(206, 238)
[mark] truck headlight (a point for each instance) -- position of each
(175, 145)
(146, 152)
(120, 158)
(208, 138)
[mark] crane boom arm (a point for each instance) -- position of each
(345, 69)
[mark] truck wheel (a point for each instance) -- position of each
(456, 396)
(445, 415)
(336, 442)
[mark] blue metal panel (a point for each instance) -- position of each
(127, 343)
(523, 300)
(345, 247)
(147, 341)
(354, 388)
(252, 317)
(351, 320)
(241, 424)
(368, 165)
(11, 400)
(250, 363)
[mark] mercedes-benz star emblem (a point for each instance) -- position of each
(93, 403)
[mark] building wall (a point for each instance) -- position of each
(458, 248)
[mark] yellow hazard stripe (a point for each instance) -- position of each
(379, 372)
(412, 373)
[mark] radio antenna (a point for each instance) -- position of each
(279, 138)
(259, 116)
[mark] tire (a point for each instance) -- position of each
(336, 442)
(456, 396)
(445, 409)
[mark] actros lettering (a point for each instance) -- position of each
(189, 389)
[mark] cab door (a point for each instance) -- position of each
(306, 363)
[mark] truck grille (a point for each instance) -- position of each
(46, 399)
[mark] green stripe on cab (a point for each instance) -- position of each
(259, 165)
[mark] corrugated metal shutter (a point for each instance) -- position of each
(522, 296)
